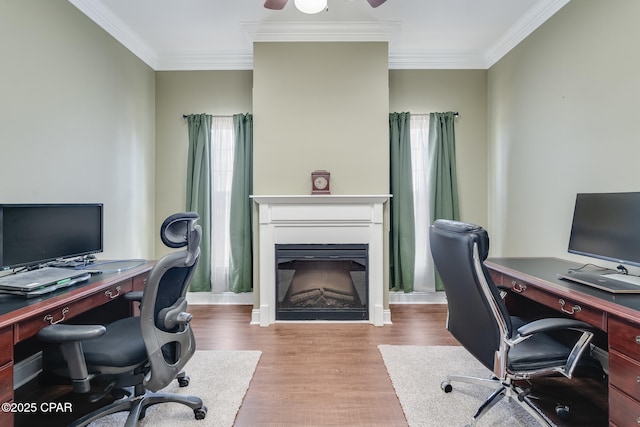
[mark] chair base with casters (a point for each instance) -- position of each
(506, 389)
(137, 405)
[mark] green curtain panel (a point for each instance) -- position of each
(443, 181)
(241, 251)
(402, 234)
(199, 193)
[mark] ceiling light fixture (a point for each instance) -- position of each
(311, 6)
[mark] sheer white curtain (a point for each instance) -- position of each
(424, 277)
(222, 144)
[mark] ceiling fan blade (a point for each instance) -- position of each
(376, 3)
(275, 4)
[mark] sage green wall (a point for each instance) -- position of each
(464, 91)
(230, 92)
(321, 106)
(563, 109)
(220, 93)
(77, 120)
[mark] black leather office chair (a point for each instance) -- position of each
(145, 352)
(478, 318)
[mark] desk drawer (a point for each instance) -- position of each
(623, 411)
(570, 308)
(624, 337)
(624, 373)
(30, 327)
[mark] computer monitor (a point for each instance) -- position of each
(33, 234)
(607, 226)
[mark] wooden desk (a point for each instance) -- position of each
(22, 318)
(618, 315)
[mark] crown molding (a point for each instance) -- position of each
(183, 61)
(527, 24)
(346, 31)
(343, 31)
(436, 59)
(113, 25)
(201, 60)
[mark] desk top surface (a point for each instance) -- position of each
(12, 306)
(544, 272)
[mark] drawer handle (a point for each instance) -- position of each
(109, 294)
(575, 309)
(518, 287)
(638, 340)
(49, 318)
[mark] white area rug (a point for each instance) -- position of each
(417, 372)
(219, 378)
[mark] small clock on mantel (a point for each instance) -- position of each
(320, 182)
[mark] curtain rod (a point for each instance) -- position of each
(426, 114)
(184, 116)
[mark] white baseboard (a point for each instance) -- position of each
(417, 298)
(244, 298)
(386, 317)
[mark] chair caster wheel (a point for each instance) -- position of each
(200, 413)
(523, 394)
(184, 381)
(562, 411)
(446, 386)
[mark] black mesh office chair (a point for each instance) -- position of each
(478, 318)
(145, 352)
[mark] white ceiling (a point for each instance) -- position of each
(219, 34)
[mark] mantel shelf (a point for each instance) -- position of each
(321, 198)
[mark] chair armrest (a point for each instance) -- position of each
(552, 324)
(548, 325)
(555, 324)
(70, 338)
(69, 333)
(133, 296)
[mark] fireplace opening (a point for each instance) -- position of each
(322, 282)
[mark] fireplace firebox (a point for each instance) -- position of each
(321, 282)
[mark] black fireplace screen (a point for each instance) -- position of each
(321, 282)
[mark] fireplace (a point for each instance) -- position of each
(314, 223)
(321, 282)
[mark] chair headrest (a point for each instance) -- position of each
(177, 229)
(181, 230)
(478, 234)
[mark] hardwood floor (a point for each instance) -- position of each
(322, 374)
(319, 374)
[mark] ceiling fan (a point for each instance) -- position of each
(280, 4)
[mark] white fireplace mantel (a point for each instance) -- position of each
(320, 219)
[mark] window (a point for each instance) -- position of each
(424, 273)
(222, 151)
